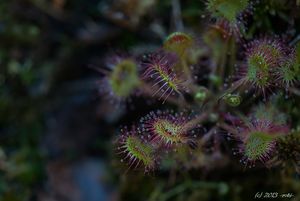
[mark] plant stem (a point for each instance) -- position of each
(191, 124)
(176, 15)
(228, 128)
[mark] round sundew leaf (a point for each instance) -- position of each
(159, 70)
(139, 150)
(258, 70)
(167, 79)
(124, 78)
(228, 9)
(178, 42)
(272, 49)
(167, 131)
(258, 62)
(258, 145)
(264, 58)
(288, 75)
(168, 128)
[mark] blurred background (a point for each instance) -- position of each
(57, 130)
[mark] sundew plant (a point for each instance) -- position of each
(206, 98)
(225, 83)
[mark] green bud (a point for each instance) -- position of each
(201, 94)
(233, 100)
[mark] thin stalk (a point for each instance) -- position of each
(186, 69)
(228, 128)
(192, 123)
(176, 15)
(232, 58)
(222, 61)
